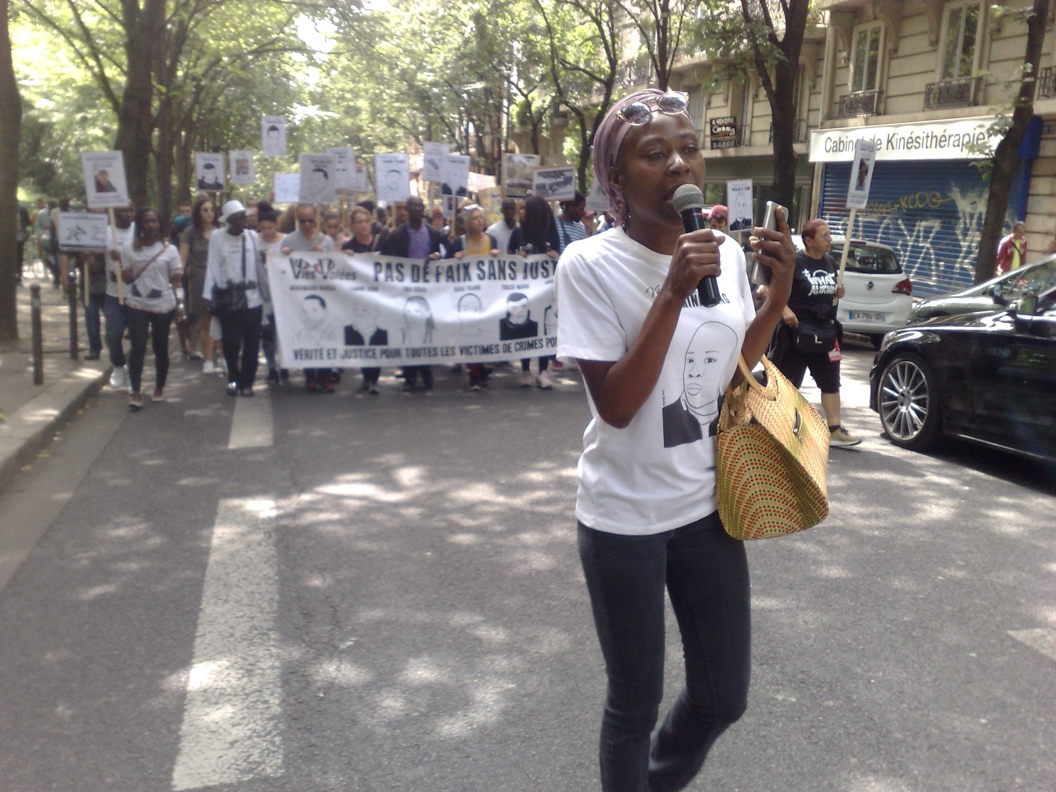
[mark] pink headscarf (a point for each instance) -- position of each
(607, 142)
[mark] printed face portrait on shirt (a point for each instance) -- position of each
(706, 358)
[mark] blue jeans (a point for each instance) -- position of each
(116, 316)
(706, 575)
(91, 322)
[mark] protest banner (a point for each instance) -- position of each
(317, 182)
(597, 200)
(336, 310)
(287, 187)
(861, 174)
(517, 174)
(273, 136)
(555, 184)
(344, 175)
(83, 231)
(105, 186)
(432, 155)
(393, 176)
(209, 172)
(739, 200)
(360, 183)
(480, 181)
(454, 180)
(242, 170)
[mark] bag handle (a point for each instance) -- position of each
(769, 392)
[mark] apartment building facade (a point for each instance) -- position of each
(925, 79)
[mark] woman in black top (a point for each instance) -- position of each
(364, 239)
(536, 234)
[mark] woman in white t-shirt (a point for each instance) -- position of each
(656, 363)
(150, 268)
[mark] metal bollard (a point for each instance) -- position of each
(38, 334)
(71, 299)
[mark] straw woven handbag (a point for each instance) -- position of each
(773, 449)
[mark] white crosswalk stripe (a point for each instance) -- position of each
(232, 723)
(251, 426)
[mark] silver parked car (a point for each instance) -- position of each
(993, 295)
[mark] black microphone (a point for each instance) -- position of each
(688, 201)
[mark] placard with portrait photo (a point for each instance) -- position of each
(242, 167)
(209, 171)
(393, 175)
(273, 136)
(105, 186)
(317, 178)
(344, 167)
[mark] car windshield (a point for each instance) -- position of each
(869, 260)
(1034, 279)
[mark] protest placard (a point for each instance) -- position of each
(273, 136)
(317, 178)
(344, 167)
(432, 155)
(555, 184)
(392, 174)
(83, 231)
(597, 200)
(739, 199)
(242, 167)
(861, 173)
(287, 187)
(105, 186)
(517, 174)
(209, 171)
(334, 310)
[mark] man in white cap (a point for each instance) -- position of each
(234, 263)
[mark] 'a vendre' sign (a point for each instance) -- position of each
(935, 140)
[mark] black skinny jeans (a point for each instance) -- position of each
(706, 574)
(242, 332)
(141, 324)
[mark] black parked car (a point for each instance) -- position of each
(989, 296)
(988, 377)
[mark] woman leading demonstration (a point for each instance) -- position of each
(655, 363)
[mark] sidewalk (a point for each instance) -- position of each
(36, 412)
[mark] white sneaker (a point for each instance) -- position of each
(209, 367)
(544, 381)
(118, 377)
(526, 379)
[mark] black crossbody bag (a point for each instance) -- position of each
(231, 299)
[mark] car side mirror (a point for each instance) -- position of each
(997, 295)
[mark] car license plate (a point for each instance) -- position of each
(867, 316)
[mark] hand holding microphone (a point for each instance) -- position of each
(688, 201)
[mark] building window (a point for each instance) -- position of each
(696, 106)
(959, 43)
(866, 57)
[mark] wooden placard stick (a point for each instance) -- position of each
(846, 250)
(109, 259)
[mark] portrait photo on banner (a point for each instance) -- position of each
(242, 167)
(344, 175)
(209, 171)
(352, 311)
(273, 136)
(392, 172)
(105, 185)
(317, 178)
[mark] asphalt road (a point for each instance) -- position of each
(355, 593)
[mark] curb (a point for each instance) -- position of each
(32, 426)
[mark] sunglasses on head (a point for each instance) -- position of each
(639, 113)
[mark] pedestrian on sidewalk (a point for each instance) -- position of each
(150, 268)
(646, 507)
(234, 259)
(115, 313)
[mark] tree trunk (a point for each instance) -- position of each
(1006, 157)
(135, 121)
(10, 132)
(783, 110)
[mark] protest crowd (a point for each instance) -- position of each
(172, 269)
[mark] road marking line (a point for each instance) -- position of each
(232, 722)
(1043, 639)
(251, 426)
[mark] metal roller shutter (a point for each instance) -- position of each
(931, 213)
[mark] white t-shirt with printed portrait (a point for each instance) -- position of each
(658, 473)
(153, 268)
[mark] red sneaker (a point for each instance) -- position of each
(311, 385)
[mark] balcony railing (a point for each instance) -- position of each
(857, 104)
(799, 134)
(1047, 83)
(741, 136)
(952, 93)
